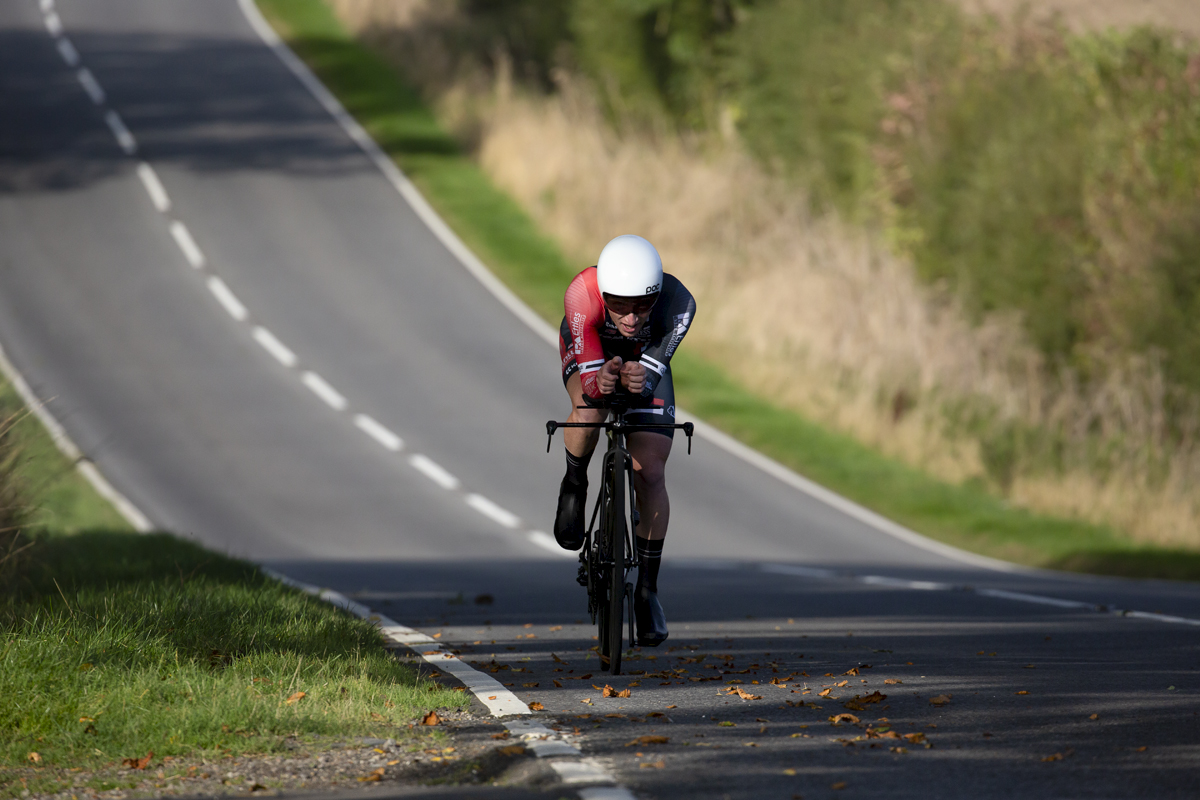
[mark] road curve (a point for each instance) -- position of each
(259, 342)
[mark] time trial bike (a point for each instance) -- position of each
(608, 558)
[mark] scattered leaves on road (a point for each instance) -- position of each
(940, 700)
(837, 719)
(431, 718)
(536, 706)
(138, 763)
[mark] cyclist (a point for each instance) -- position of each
(624, 320)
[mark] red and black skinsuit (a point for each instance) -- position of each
(588, 338)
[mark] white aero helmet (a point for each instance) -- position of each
(629, 266)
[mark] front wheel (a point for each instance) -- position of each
(612, 606)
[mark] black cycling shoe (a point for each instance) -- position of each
(651, 620)
(568, 522)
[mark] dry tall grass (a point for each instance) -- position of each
(811, 312)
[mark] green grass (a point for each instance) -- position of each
(117, 644)
(509, 242)
(114, 644)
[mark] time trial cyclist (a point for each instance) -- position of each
(624, 320)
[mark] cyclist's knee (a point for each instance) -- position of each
(650, 470)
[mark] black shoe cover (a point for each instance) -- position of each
(651, 620)
(568, 522)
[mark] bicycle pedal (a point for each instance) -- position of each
(581, 576)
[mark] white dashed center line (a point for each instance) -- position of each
(321, 388)
(68, 52)
(227, 299)
(379, 433)
(183, 238)
(124, 137)
(546, 542)
(492, 511)
(54, 24)
(90, 85)
(275, 347)
(154, 187)
(434, 471)
(46, 6)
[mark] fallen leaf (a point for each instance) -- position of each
(892, 681)
(437, 635)
(851, 671)
(837, 719)
(536, 706)
(1141, 749)
(530, 685)
(652, 765)
(1022, 692)
(138, 763)
(393, 763)
(36, 758)
(649, 740)
(431, 718)
(557, 660)
(839, 785)
(727, 724)
(841, 684)
(491, 697)
(824, 692)
(789, 771)
(1094, 716)
(377, 775)
(295, 698)
(915, 738)
(672, 706)
(501, 735)
(940, 700)
(512, 750)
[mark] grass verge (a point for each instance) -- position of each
(496, 228)
(114, 644)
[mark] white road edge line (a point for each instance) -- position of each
(90, 85)
(434, 471)
(501, 516)
(67, 447)
(321, 388)
(227, 298)
(46, 6)
(124, 138)
(54, 23)
(273, 346)
(550, 335)
(68, 52)
(499, 700)
(379, 433)
(183, 238)
(154, 187)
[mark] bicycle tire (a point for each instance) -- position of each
(612, 606)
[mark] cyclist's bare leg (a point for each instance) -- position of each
(581, 441)
(572, 492)
(650, 452)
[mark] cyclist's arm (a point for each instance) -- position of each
(584, 309)
(680, 311)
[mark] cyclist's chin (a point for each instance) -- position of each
(628, 332)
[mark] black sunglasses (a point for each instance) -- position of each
(623, 306)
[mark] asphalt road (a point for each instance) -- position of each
(234, 361)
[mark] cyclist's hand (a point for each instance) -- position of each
(633, 377)
(607, 378)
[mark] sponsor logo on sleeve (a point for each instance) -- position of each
(681, 325)
(577, 331)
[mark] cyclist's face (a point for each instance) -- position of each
(629, 314)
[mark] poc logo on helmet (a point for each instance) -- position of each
(653, 289)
